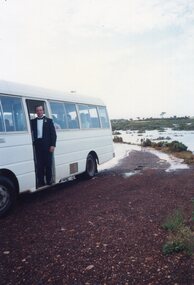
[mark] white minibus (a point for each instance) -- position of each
(84, 137)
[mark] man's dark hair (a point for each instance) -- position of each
(39, 106)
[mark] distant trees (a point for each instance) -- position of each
(162, 114)
(176, 123)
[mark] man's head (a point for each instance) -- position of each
(39, 110)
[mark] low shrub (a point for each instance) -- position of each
(174, 221)
(180, 237)
(117, 139)
(160, 144)
(163, 138)
(116, 133)
(176, 146)
(181, 240)
(171, 247)
(147, 142)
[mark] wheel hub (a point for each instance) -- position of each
(90, 166)
(4, 197)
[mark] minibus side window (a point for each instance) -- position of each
(103, 117)
(1, 121)
(95, 122)
(58, 115)
(84, 116)
(72, 118)
(13, 114)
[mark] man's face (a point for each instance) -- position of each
(39, 111)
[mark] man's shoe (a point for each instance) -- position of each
(41, 184)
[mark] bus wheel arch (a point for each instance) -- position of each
(9, 190)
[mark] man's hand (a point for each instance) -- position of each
(52, 148)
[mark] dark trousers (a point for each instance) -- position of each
(43, 163)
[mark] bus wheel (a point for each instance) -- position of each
(91, 167)
(7, 195)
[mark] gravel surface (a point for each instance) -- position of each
(106, 230)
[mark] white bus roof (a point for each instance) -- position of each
(12, 88)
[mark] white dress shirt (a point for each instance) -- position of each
(39, 128)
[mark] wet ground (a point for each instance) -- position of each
(107, 230)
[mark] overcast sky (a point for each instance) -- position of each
(136, 55)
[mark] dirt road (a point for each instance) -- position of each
(103, 231)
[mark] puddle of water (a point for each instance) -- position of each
(175, 163)
(123, 150)
(139, 167)
(131, 173)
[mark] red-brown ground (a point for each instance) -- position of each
(103, 231)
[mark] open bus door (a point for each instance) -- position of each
(31, 106)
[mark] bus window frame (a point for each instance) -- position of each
(5, 132)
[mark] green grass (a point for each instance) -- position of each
(174, 221)
(180, 237)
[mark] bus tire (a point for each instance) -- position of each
(7, 195)
(91, 167)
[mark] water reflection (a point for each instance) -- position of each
(186, 137)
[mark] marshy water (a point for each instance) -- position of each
(134, 137)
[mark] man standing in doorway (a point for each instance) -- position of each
(44, 140)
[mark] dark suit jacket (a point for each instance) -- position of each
(49, 133)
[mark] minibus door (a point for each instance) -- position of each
(31, 106)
